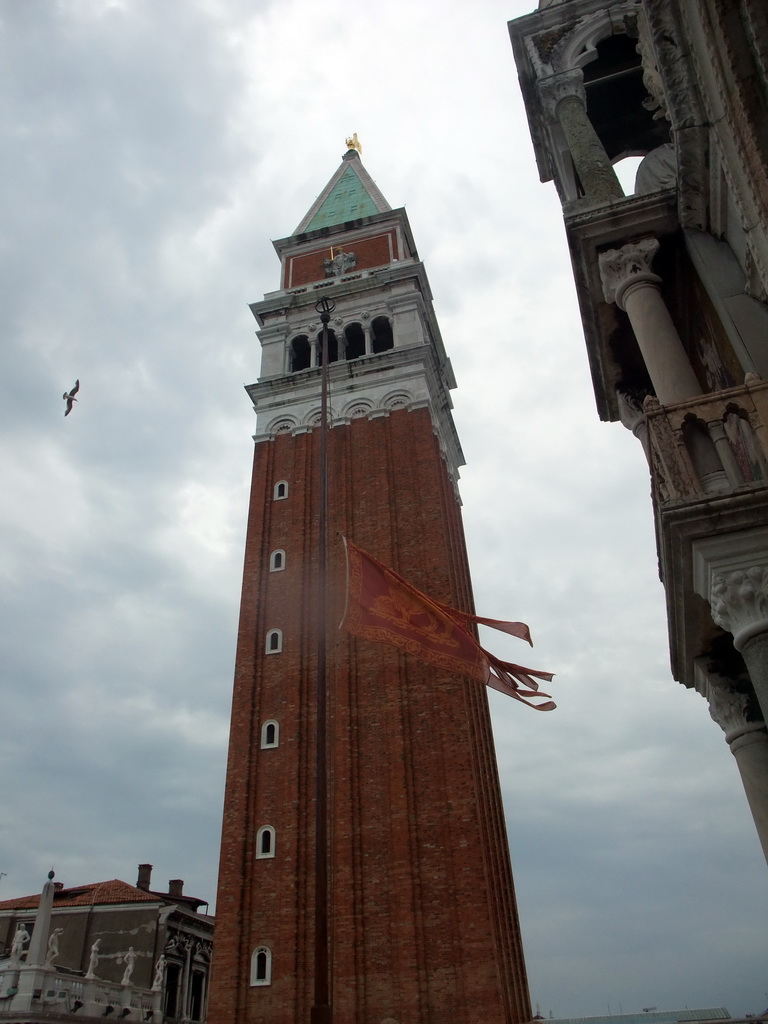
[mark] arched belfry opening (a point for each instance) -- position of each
(618, 102)
(300, 353)
(382, 334)
(355, 338)
(333, 348)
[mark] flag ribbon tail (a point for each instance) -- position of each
(518, 629)
(507, 677)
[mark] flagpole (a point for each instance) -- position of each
(321, 1012)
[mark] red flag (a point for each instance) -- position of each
(382, 607)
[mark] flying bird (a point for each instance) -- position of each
(69, 397)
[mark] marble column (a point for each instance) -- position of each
(633, 418)
(564, 98)
(739, 601)
(628, 281)
(730, 571)
(748, 741)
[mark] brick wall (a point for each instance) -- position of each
(375, 251)
(424, 919)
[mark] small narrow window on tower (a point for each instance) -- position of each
(276, 561)
(270, 734)
(265, 842)
(281, 490)
(261, 966)
(274, 641)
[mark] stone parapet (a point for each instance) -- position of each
(43, 993)
(736, 422)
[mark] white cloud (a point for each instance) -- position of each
(157, 150)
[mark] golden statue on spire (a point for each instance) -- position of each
(354, 143)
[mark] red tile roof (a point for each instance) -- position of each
(113, 891)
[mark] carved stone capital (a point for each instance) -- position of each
(563, 86)
(631, 264)
(739, 602)
(728, 708)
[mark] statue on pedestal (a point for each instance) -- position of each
(94, 959)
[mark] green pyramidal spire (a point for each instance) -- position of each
(349, 195)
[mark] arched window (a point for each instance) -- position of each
(618, 104)
(281, 490)
(300, 353)
(382, 334)
(277, 561)
(333, 348)
(355, 337)
(261, 966)
(274, 641)
(270, 734)
(265, 842)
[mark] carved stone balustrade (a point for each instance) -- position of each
(39, 993)
(732, 424)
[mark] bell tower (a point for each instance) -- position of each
(423, 923)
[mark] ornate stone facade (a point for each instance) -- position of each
(109, 948)
(672, 281)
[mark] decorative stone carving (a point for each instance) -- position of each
(157, 982)
(21, 938)
(729, 709)
(93, 960)
(547, 41)
(657, 171)
(656, 100)
(282, 426)
(130, 962)
(357, 412)
(341, 264)
(53, 946)
(680, 93)
(739, 602)
(620, 268)
(682, 106)
(557, 88)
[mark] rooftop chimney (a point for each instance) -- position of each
(145, 874)
(175, 886)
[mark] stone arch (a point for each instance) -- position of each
(354, 335)
(261, 966)
(299, 353)
(383, 335)
(357, 409)
(282, 425)
(397, 400)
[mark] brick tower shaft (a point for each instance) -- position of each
(423, 918)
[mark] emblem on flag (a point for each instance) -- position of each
(383, 607)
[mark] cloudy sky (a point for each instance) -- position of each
(151, 150)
